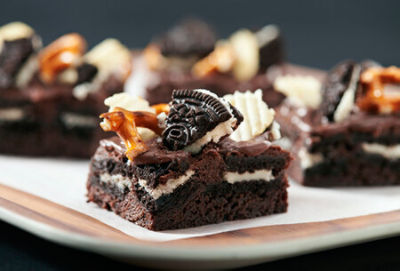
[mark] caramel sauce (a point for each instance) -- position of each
(124, 123)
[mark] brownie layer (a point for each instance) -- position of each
(194, 203)
(226, 181)
(348, 167)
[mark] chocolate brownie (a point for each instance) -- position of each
(176, 61)
(194, 172)
(50, 97)
(352, 138)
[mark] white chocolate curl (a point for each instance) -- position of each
(257, 116)
(300, 90)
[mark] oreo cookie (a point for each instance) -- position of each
(344, 75)
(13, 55)
(86, 72)
(191, 37)
(196, 113)
(271, 47)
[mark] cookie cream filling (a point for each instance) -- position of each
(168, 187)
(391, 152)
(11, 114)
(221, 130)
(307, 159)
(121, 182)
(27, 71)
(262, 174)
(346, 104)
(72, 120)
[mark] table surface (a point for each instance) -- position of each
(22, 251)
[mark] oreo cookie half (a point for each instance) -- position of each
(197, 117)
(13, 55)
(191, 37)
(270, 46)
(18, 42)
(86, 72)
(341, 83)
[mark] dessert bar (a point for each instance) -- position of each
(50, 97)
(190, 56)
(198, 160)
(351, 136)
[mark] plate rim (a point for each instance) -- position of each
(152, 250)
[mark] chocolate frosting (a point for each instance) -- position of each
(157, 154)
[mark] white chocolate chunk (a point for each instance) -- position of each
(267, 34)
(110, 56)
(257, 116)
(247, 55)
(128, 102)
(300, 90)
(15, 31)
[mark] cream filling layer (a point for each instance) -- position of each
(11, 114)
(123, 182)
(391, 152)
(222, 129)
(262, 174)
(118, 180)
(72, 120)
(307, 159)
(168, 187)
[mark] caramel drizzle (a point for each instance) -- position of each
(125, 123)
(375, 98)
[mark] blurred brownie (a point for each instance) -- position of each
(352, 137)
(201, 162)
(189, 56)
(50, 98)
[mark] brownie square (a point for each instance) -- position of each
(208, 165)
(51, 97)
(339, 143)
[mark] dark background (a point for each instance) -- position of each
(318, 33)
